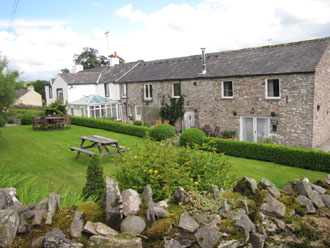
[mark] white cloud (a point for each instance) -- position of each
(98, 5)
(42, 48)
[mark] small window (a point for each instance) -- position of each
(50, 91)
(82, 112)
(106, 90)
(124, 90)
(147, 92)
(59, 94)
(130, 112)
(176, 90)
(227, 89)
(273, 89)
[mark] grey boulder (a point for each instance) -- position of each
(245, 225)
(8, 199)
(188, 223)
(269, 186)
(133, 224)
(9, 222)
(115, 242)
(207, 236)
(77, 225)
(131, 202)
(113, 204)
(273, 207)
(326, 200)
(246, 186)
(307, 202)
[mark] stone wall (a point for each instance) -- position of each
(322, 97)
(294, 110)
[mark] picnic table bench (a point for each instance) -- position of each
(101, 143)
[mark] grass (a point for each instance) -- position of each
(45, 155)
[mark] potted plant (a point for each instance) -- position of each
(228, 134)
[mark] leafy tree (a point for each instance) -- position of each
(65, 70)
(56, 107)
(39, 86)
(8, 85)
(90, 58)
(95, 184)
(172, 111)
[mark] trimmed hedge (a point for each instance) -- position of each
(25, 115)
(162, 132)
(291, 156)
(192, 136)
(119, 127)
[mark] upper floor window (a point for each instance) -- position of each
(59, 94)
(227, 89)
(106, 90)
(176, 90)
(273, 89)
(147, 92)
(50, 91)
(124, 90)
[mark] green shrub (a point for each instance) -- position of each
(56, 107)
(95, 184)
(165, 167)
(162, 132)
(26, 119)
(192, 136)
(119, 127)
(2, 122)
(137, 123)
(25, 115)
(291, 156)
(10, 119)
(229, 133)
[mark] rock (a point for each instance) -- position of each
(273, 207)
(172, 244)
(224, 209)
(133, 224)
(29, 214)
(90, 228)
(207, 236)
(39, 215)
(23, 226)
(245, 205)
(162, 204)
(38, 243)
(155, 212)
(9, 221)
(269, 186)
(214, 190)
(180, 195)
(115, 242)
(245, 225)
(291, 185)
(246, 186)
(216, 220)
(188, 223)
(280, 224)
(307, 202)
(113, 204)
(305, 189)
(147, 194)
(131, 202)
(327, 179)
(54, 202)
(261, 230)
(77, 225)
(238, 213)
(261, 216)
(230, 244)
(57, 239)
(318, 189)
(42, 205)
(186, 242)
(326, 200)
(257, 240)
(8, 199)
(104, 230)
(270, 226)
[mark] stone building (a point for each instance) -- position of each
(282, 89)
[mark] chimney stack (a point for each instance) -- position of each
(203, 61)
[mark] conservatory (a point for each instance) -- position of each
(96, 107)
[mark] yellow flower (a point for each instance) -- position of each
(191, 179)
(150, 171)
(196, 183)
(156, 171)
(180, 203)
(164, 188)
(135, 157)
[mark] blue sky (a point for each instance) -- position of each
(46, 34)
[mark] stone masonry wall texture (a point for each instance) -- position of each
(322, 97)
(294, 110)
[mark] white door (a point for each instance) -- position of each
(189, 120)
(254, 129)
(138, 112)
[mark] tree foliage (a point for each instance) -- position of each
(90, 58)
(39, 86)
(56, 107)
(172, 111)
(8, 85)
(65, 70)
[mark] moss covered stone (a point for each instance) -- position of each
(159, 229)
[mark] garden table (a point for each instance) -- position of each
(101, 143)
(56, 121)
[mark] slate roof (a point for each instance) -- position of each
(298, 57)
(92, 100)
(112, 74)
(80, 78)
(21, 92)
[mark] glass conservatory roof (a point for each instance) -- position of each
(93, 100)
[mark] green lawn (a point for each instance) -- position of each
(46, 155)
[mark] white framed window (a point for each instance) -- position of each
(50, 91)
(227, 89)
(176, 90)
(59, 94)
(147, 92)
(273, 89)
(106, 90)
(130, 111)
(124, 90)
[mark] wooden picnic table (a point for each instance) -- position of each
(101, 143)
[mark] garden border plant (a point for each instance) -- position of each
(286, 155)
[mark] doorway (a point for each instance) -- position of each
(189, 120)
(138, 112)
(254, 129)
